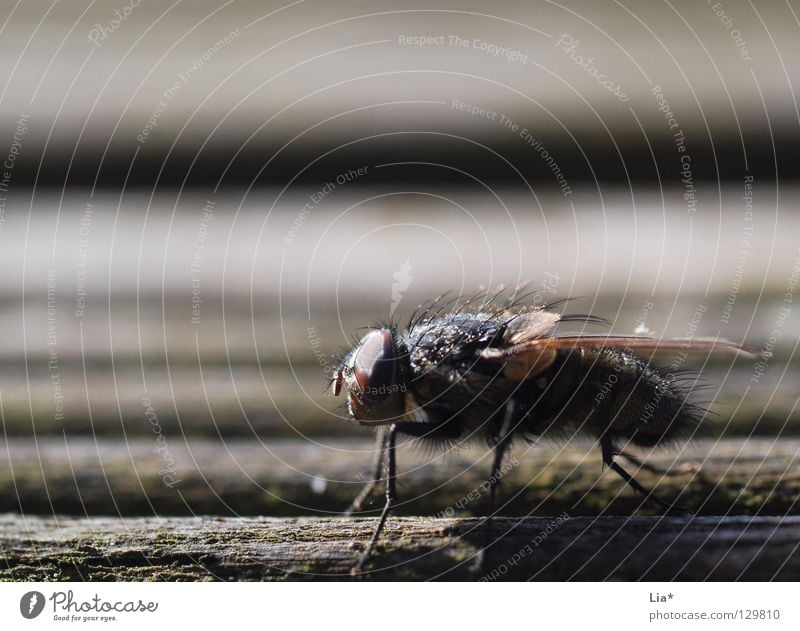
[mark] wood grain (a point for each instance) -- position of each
(540, 548)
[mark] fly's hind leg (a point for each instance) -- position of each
(607, 447)
(644, 466)
(375, 474)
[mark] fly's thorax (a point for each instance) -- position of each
(451, 341)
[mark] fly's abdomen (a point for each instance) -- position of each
(638, 402)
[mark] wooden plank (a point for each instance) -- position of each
(298, 477)
(541, 548)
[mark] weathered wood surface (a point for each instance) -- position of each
(295, 477)
(54, 476)
(542, 548)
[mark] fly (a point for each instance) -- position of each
(500, 372)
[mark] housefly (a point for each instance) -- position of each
(497, 370)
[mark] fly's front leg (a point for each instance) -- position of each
(377, 469)
(391, 497)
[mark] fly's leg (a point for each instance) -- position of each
(501, 438)
(502, 442)
(391, 498)
(607, 448)
(375, 476)
(641, 464)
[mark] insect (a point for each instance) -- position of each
(496, 370)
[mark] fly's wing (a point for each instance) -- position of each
(529, 326)
(524, 329)
(528, 359)
(654, 344)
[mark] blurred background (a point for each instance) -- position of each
(201, 202)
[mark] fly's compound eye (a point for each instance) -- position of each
(374, 364)
(374, 378)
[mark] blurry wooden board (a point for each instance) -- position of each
(242, 399)
(246, 370)
(541, 548)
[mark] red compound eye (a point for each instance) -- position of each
(374, 363)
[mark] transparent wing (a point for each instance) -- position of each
(531, 325)
(530, 358)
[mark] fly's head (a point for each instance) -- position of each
(372, 377)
